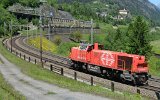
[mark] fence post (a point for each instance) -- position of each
(138, 91)
(20, 55)
(91, 81)
(75, 75)
(51, 67)
(112, 86)
(24, 57)
(29, 59)
(158, 95)
(61, 71)
(35, 61)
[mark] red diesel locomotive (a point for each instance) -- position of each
(119, 65)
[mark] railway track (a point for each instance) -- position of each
(157, 55)
(20, 45)
(32, 52)
(152, 88)
(155, 79)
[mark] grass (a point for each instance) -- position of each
(46, 44)
(1, 61)
(50, 93)
(156, 46)
(154, 66)
(38, 73)
(96, 36)
(63, 49)
(32, 32)
(7, 92)
(106, 27)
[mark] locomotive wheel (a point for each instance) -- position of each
(75, 66)
(134, 82)
(109, 75)
(123, 80)
(85, 69)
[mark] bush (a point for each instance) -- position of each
(77, 36)
(57, 40)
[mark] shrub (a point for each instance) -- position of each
(57, 40)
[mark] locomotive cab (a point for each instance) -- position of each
(90, 47)
(140, 70)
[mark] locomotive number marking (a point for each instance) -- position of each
(107, 59)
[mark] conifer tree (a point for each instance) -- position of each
(138, 37)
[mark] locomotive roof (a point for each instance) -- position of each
(119, 53)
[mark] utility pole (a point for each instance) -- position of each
(36, 31)
(49, 24)
(91, 31)
(40, 23)
(49, 30)
(11, 34)
(27, 33)
(74, 22)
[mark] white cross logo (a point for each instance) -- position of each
(107, 59)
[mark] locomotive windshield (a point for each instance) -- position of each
(84, 46)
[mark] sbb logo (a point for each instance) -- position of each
(107, 59)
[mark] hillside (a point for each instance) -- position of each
(158, 5)
(136, 7)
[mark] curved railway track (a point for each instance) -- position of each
(50, 59)
(19, 43)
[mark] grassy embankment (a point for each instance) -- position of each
(38, 73)
(63, 49)
(155, 62)
(156, 46)
(7, 92)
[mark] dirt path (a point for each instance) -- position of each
(38, 90)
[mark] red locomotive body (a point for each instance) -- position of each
(127, 67)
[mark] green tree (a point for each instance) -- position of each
(30, 3)
(7, 3)
(116, 41)
(109, 41)
(76, 36)
(138, 32)
(6, 18)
